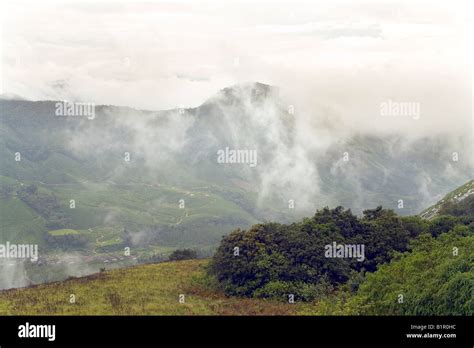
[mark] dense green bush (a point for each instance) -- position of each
(183, 254)
(301, 291)
(442, 224)
(432, 279)
(271, 260)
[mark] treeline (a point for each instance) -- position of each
(67, 241)
(46, 205)
(275, 261)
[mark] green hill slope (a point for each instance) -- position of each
(116, 293)
(433, 277)
(136, 203)
(457, 202)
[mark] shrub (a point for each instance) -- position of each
(183, 254)
(432, 279)
(271, 259)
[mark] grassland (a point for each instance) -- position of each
(19, 223)
(152, 289)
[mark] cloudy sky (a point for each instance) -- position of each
(345, 56)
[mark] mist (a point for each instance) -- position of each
(346, 59)
(302, 83)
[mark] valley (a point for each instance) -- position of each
(152, 181)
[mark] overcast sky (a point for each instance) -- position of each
(348, 56)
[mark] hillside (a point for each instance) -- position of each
(440, 286)
(462, 198)
(442, 257)
(116, 292)
(150, 180)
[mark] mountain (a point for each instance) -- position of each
(89, 186)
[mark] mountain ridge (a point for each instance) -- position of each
(173, 157)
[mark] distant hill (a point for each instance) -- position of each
(458, 202)
(173, 157)
(150, 180)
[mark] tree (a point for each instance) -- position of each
(183, 254)
(272, 258)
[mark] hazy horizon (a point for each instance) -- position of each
(333, 61)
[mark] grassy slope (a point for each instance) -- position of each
(147, 290)
(152, 289)
(19, 223)
(137, 206)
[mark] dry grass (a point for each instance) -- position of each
(142, 290)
